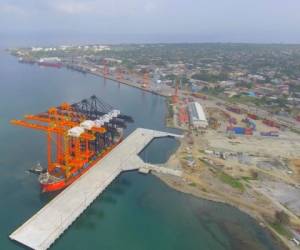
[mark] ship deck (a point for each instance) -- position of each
(43, 228)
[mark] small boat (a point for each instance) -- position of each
(38, 169)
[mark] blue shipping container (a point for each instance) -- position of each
(239, 130)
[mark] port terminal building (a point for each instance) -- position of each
(197, 115)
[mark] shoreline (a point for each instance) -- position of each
(126, 83)
(250, 201)
(234, 202)
(260, 215)
(200, 194)
(217, 199)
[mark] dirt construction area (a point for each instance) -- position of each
(285, 146)
(287, 195)
(256, 172)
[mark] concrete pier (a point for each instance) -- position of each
(42, 229)
(89, 69)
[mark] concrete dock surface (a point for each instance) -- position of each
(42, 229)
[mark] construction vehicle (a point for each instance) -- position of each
(79, 135)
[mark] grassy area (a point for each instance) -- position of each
(246, 100)
(279, 228)
(231, 181)
(248, 178)
(192, 184)
(297, 131)
(241, 99)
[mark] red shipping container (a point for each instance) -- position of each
(252, 116)
(248, 131)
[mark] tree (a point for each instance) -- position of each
(254, 174)
(282, 217)
(250, 85)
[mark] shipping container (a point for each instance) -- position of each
(239, 130)
(271, 123)
(270, 133)
(232, 120)
(248, 131)
(229, 128)
(234, 110)
(252, 116)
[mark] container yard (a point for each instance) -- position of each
(235, 155)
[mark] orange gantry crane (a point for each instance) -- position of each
(175, 96)
(105, 69)
(119, 74)
(145, 80)
(71, 152)
(78, 135)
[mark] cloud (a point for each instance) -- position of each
(200, 17)
(150, 6)
(11, 9)
(111, 8)
(74, 7)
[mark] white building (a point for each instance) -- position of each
(197, 115)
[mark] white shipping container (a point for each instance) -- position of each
(99, 123)
(88, 124)
(75, 132)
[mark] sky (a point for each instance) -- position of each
(154, 20)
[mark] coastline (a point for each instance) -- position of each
(234, 202)
(168, 180)
(86, 69)
(181, 185)
(128, 83)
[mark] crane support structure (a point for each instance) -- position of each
(146, 80)
(76, 133)
(175, 97)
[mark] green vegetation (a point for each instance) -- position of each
(295, 88)
(192, 184)
(279, 225)
(208, 77)
(250, 100)
(282, 218)
(213, 91)
(170, 108)
(254, 176)
(247, 178)
(235, 183)
(251, 66)
(281, 229)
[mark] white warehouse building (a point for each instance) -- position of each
(197, 115)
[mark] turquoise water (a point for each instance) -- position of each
(136, 212)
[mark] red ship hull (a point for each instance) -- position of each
(51, 187)
(61, 184)
(50, 64)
